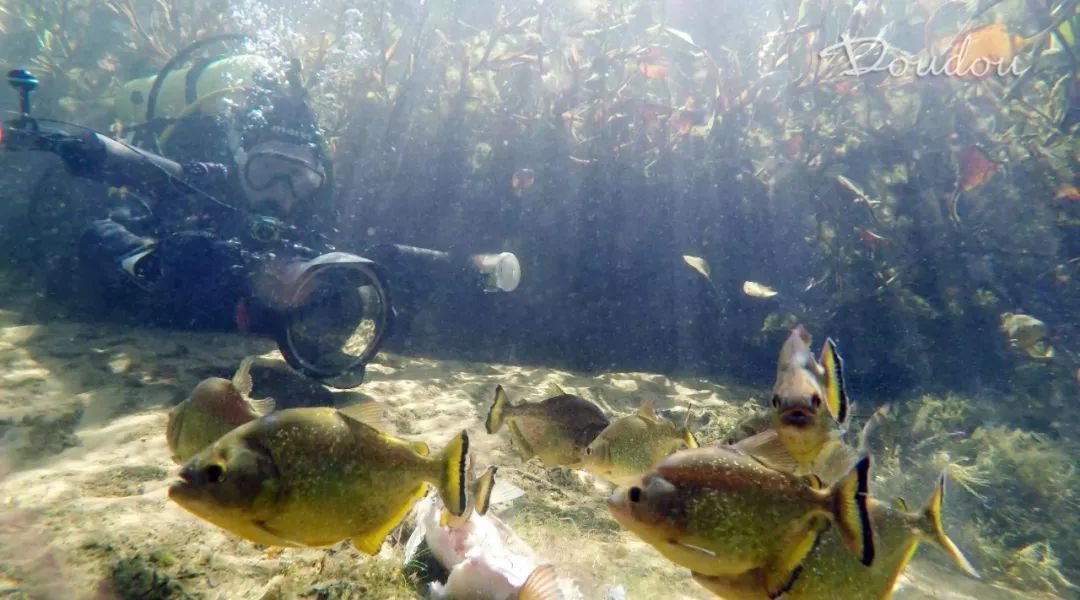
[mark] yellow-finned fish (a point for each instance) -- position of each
(633, 445)
(829, 571)
(215, 407)
(557, 430)
(719, 512)
(810, 411)
(315, 476)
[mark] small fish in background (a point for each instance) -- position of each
(701, 267)
(721, 513)
(557, 430)
(1027, 334)
(632, 445)
(315, 476)
(830, 571)
(215, 407)
(758, 290)
(521, 180)
(483, 556)
(810, 411)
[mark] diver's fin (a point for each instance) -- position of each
(836, 399)
(931, 529)
(370, 413)
(847, 500)
(496, 414)
(554, 391)
(541, 585)
(241, 380)
(646, 410)
(452, 477)
(766, 448)
(481, 490)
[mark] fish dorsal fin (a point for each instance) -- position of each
(646, 410)
(767, 448)
(481, 490)
(836, 399)
(554, 391)
(814, 481)
(241, 380)
(541, 585)
(368, 413)
(420, 448)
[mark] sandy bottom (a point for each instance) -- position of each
(85, 468)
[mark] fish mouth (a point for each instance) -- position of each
(799, 416)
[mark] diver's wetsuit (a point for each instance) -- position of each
(190, 279)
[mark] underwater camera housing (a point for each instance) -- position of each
(331, 314)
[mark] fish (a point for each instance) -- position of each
(312, 477)
(483, 556)
(1027, 334)
(810, 410)
(631, 446)
(829, 571)
(557, 430)
(758, 290)
(215, 407)
(698, 264)
(719, 512)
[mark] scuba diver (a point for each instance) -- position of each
(219, 213)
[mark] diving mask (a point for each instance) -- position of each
(266, 167)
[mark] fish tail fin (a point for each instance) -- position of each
(836, 399)
(848, 498)
(497, 412)
(541, 585)
(930, 527)
(452, 478)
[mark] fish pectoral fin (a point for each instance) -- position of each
(767, 448)
(262, 406)
(541, 585)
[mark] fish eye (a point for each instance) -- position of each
(214, 473)
(635, 494)
(816, 400)
(776, 401)
(588, 450)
